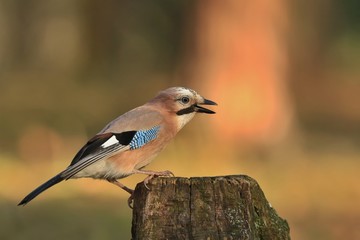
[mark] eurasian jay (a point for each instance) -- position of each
(131, 141)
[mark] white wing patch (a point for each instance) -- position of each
(109, 142)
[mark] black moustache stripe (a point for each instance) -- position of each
(187, 110)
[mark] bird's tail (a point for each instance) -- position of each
(58, 178)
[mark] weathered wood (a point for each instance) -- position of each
(228, 207)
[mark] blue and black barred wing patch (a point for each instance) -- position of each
(143, 137)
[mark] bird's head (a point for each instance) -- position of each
(184, 103)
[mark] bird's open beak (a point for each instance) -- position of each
(205, 110)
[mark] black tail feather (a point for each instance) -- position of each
(41, 188)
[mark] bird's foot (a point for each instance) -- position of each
(130, 201)
(152, 175)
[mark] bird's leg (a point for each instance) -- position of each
(152, 174)
(122, 186)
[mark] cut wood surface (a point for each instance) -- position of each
(225, 207)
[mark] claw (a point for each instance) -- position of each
(166, 173)
(147, 179)
(130, 201)
(169, 174)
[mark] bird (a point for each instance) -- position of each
(131, 141)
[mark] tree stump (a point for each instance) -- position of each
(211, 208)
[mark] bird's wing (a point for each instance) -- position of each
(105, 145)
(99, 147)
(130, 131)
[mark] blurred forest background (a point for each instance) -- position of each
(286, 75)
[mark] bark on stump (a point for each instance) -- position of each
(227, 207)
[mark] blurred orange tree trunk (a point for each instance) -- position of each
(240, 59)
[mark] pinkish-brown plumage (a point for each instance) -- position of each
(131, 141)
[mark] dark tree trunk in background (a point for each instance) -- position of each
(228, 207)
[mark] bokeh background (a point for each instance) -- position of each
(286, 75)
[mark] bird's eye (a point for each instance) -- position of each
(185, 100)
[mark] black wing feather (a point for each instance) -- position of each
(90, 147)
(125, 138)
